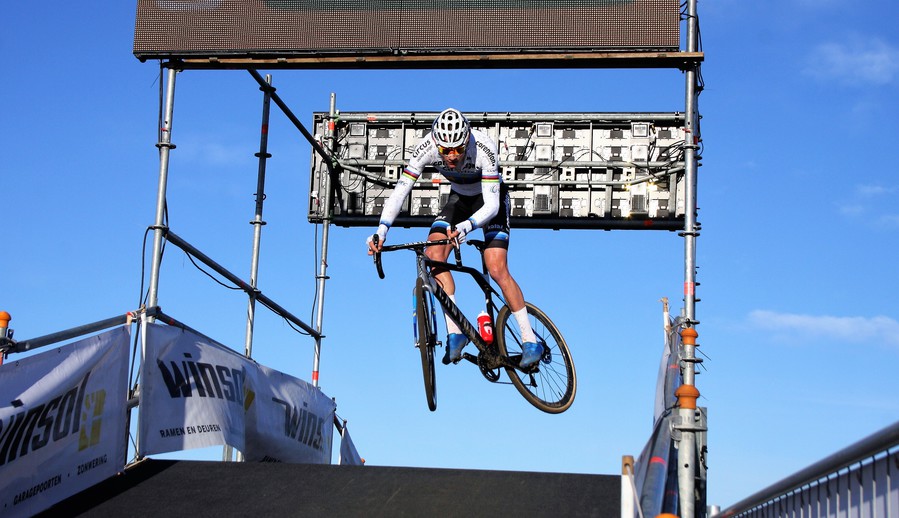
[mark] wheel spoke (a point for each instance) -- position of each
(548, 386)
(426, 340)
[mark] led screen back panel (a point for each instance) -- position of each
(563, 170)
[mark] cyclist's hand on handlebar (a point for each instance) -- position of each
(375, 243)
(460, 231)
(454, 236)
(376, 240)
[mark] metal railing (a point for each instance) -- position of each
(860, 480)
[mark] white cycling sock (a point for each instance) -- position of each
(527, 333)
(451, 326)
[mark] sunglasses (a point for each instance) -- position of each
(447, 150)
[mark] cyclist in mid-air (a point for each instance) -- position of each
(468, 158)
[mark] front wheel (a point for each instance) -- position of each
(426, 338)
(551, 383)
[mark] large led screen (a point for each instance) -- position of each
(253, 29)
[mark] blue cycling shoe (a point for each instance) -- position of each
(530, 353)
(454, 344)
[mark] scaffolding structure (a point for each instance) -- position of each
(688, 432)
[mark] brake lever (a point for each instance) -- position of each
(457, 251)
(376, 256)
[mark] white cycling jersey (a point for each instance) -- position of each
(478, 174)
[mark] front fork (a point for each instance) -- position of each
(422, 290)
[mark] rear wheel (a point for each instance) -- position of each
(426, 339)
(551, 383)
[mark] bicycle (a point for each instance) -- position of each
(549, 384)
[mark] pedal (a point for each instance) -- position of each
(547, 357)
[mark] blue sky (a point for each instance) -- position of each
(796, 258)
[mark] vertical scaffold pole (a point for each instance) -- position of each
(165, 146)
(323, 263)
(258, 222)
(687, 392)
(628, 497)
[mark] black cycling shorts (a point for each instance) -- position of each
(458, 208)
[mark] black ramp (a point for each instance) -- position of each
(198, 489)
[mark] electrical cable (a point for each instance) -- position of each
(141, 298)
(141, 302)
(314, 272)
(191, 259)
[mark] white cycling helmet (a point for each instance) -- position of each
(450, 129)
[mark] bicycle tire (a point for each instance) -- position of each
(426, 339)
(552, 385)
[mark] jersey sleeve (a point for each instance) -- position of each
(490, 180)
(395, 201)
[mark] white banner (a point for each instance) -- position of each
(289, 420)
(192, 392)
(199, 393)
(62, 421)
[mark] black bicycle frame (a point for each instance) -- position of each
(425, 264)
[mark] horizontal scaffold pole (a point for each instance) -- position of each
(173, 238)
